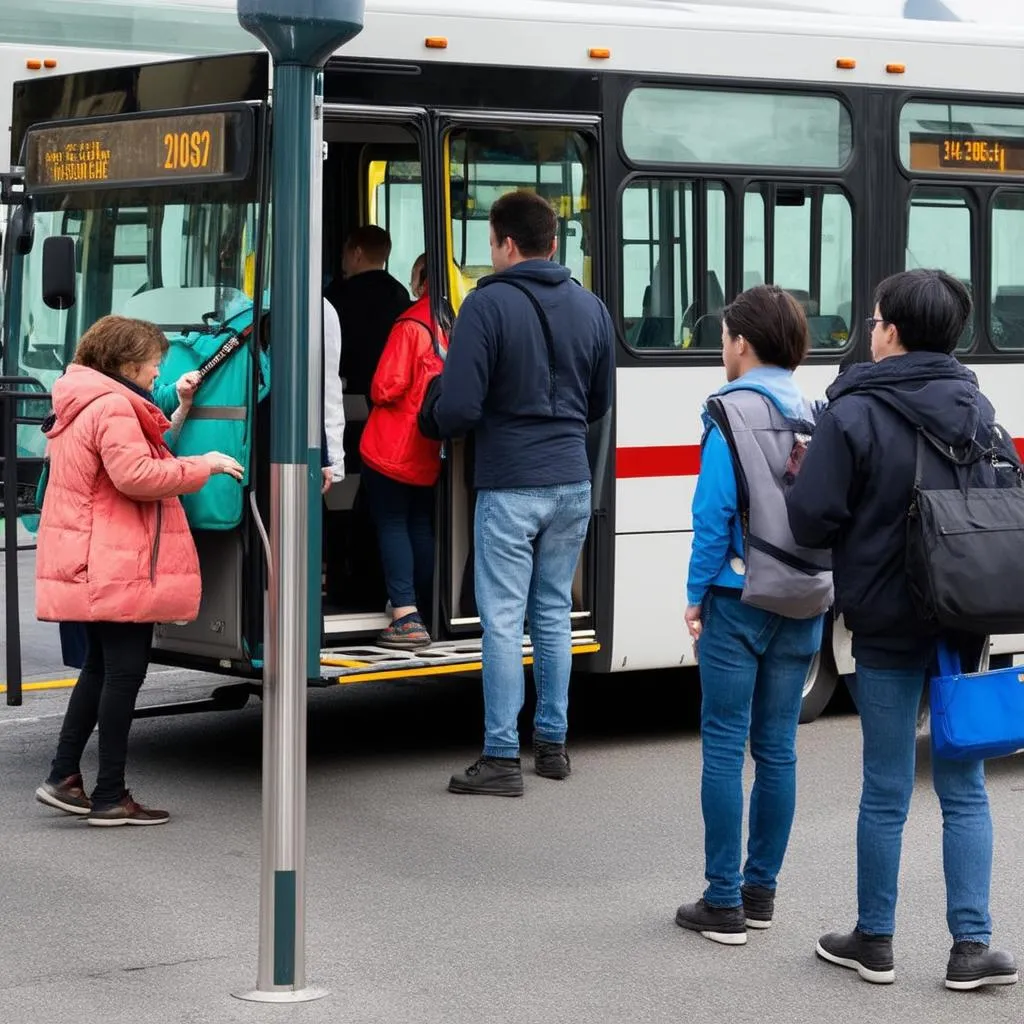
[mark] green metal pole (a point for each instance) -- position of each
(300, 35)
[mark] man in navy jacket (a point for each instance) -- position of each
(852, 495)
(530, 365)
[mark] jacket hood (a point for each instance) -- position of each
(542, 272)
(933, 391)
(81, 386)
(777, 385)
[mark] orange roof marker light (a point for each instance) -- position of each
(895, 69)
(33, 63)
(846, 63)
(436, 43)
(599, 53)
(50, 62)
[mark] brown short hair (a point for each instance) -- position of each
(114, 341)
(374, 241)
(528, 219)
(773, 322)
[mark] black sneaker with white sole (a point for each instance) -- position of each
(719, 924)
(973, 965)
(758, 905)
(869, 955)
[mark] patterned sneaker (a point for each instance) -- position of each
(405, 634)
(67, 796)
(127, 812)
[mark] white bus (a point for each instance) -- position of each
(692, 151)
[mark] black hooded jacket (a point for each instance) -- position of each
(857, 479)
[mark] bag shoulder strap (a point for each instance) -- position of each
(438, 350)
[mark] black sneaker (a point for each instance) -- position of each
(490, 776)
(973, 964)
(127, 811)
(758, 905)
(719, 924)
(550, 760)
(869, 955)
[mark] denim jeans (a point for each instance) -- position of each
(753, 665)
(116, 660)
(888, 701)
(403, 516)
(528, 541)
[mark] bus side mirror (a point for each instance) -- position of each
(59, 272)
(23, 230)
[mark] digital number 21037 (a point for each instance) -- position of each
(187, 151)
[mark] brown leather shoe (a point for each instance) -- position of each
(127, 812)
(67, 796)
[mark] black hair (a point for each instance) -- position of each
(528, 219)
(773, 322)
(929, 309)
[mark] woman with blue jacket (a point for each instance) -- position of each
(753, 663)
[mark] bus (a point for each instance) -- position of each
(691, 151)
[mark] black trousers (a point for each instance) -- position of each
(116, 660)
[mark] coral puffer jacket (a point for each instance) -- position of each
(392, 443)
(114, 544)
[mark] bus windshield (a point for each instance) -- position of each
(170, 264)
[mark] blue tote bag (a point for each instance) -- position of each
(975, 715)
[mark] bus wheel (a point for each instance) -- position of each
(821, 681)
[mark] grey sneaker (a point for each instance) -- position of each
(869, 955)
(67, 796)
(490, 776)
(550, 760)
(973, 964)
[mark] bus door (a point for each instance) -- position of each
(483, 156)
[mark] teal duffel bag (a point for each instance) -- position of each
(222, 411)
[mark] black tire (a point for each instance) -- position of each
(821, 683)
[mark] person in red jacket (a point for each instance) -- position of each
(401, 466)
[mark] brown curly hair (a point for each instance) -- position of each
(116, 341)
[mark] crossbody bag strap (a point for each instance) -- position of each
(440, 352)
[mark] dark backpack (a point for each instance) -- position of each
(965, 543)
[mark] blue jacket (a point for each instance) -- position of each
(529, 412)
(856, 481)
(717, 531)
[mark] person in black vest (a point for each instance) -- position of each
(852, 495)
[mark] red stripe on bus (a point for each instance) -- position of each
(677, 460)
(664, 460)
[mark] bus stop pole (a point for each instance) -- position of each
(300, 35)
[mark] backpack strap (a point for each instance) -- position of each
(545, 326)
(441, 353)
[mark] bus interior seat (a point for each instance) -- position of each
(810, 306)
(707, 332)
(656, 332)
(1008, 314)
(828, 331)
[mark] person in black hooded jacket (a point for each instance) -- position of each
(852, 495)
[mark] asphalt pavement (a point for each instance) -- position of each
(426, 907)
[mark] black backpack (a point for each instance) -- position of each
(965, 544)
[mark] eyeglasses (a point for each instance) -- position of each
(873, 321)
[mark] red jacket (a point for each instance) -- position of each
(392, 443)
(114, 544)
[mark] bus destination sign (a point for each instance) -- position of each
(971, 154)
(134, 151)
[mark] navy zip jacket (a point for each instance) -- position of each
(528, 407)
(857, 479)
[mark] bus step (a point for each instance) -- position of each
(232, 697)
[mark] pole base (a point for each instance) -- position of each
(301, 995)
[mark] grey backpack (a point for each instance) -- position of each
(766, 446)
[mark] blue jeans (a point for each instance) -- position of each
(528, 541)
(402, 515)
(888, 701)
(753, 665)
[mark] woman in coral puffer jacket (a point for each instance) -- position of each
(114, 549)
(401, 466)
